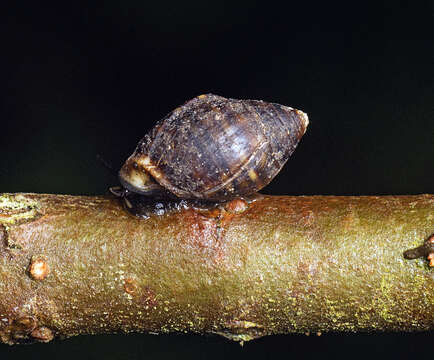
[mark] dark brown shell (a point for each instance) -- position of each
(216, 148)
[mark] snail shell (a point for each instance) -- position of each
(214, 148)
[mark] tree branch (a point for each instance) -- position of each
(74, 265)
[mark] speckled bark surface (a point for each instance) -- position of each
(74, 265)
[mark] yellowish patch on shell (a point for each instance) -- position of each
(146, 163)
(252, 175)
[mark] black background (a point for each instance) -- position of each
(81, 81)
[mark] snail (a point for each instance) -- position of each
(212, 149)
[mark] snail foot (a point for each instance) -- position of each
(425, 250)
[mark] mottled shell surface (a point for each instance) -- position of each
(215, 148)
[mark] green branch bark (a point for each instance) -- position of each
(74, 265)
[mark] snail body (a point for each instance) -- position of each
(214, 149)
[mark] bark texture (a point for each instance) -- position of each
(74, 265)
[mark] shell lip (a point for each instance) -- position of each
(155, 191)
(130, 187)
